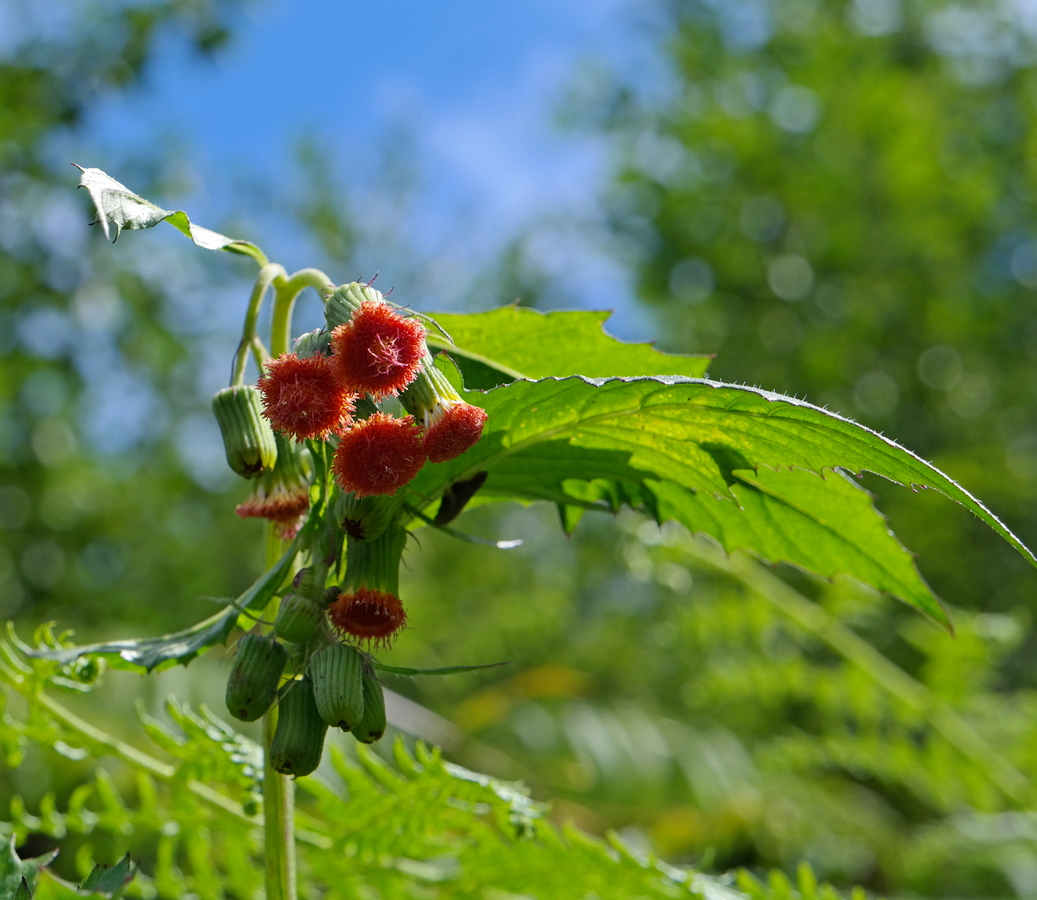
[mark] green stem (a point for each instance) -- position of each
(278, 791)
(286, 289)
(279, 817)
(268, 274)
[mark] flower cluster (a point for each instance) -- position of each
(374, 352)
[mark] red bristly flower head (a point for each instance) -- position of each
(304, 398)
(368, 615)
(378, 351)
(453, 428)
(282, 494)
(378, 455)
(281, 504)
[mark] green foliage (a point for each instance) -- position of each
(524, 343)
(416, 824)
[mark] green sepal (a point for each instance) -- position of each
(337, 674)
(299, 737)
(372, 726)
(366, 518)
(254, 677)
(248, 440)
(297, 618)
(346, 300)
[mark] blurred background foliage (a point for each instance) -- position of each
(834, 197)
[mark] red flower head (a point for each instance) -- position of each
(282, 494)
(452, 429)
(304, 398)
(378, 455)
(368, 615)
(378, 351)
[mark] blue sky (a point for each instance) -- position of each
(476, 84)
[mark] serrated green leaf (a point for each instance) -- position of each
(15, 871)
(601, 443)
(513, 342)
(117, 206)
(181, 646)
(826, 525)
(110, 881)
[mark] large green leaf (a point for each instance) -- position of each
(826, 525)
(117, 206)
(512, 342)
(682, 447)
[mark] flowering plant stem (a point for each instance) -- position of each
(278, 793)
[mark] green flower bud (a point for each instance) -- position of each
(253, 680)
(297, 618)
(299, 737)
(372, 725)
(313, 343)
(248, 439)
(337, 673)
(346, 300)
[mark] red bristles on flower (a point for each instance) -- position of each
(368, 615)
(304, 398)
(452, 430)
(378, 455)
(282, 506)
(378, 351)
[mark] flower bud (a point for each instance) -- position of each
(297, 618)
(252, 683)
(452, 425)
(313, 343)
(298, 740)
(372, 726)
(340, 305)
(336, 671)
(247, 438)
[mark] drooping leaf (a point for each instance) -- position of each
(512, 342)
(181, 646)
(118, 207)
(444, 670)
(601, 443)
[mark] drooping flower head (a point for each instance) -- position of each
(377, 351)
(368, 615)
(304, 398)
(452, 429)
(452, 425)
(368, 609)
(281, 495)
(378, 455)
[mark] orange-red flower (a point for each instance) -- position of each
(452, 429)
(378, 455)
(368, 615)
(378, 351)
(304, 397)
(281, 504)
